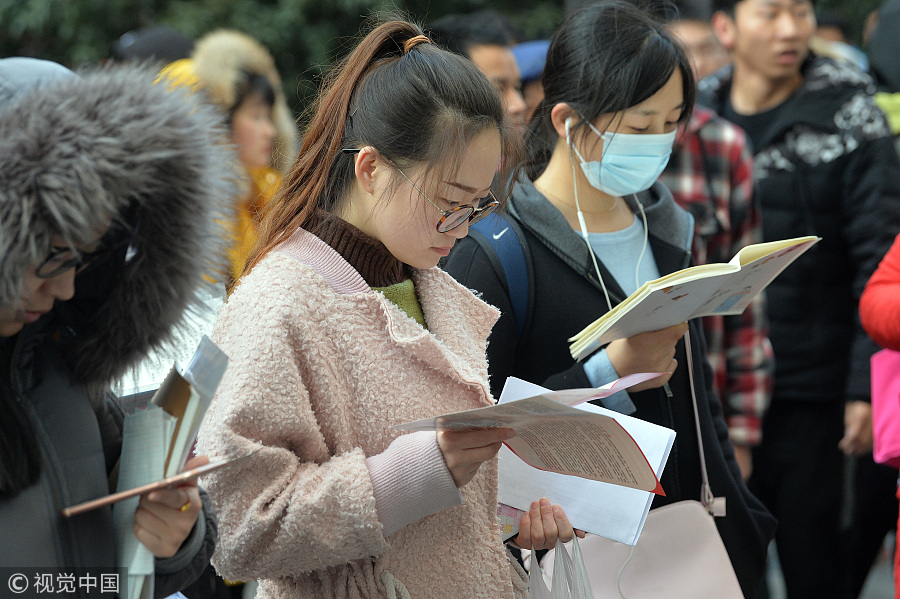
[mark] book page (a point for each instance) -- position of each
(204, 372)
(663, 303)
(510, 518)
(553, 436)
(761, 250)
(659, 309)
(740, 288)
(187, 397)
(612, 511)
(173, 396)
(583, 444)
(517, 413)
(573, 397)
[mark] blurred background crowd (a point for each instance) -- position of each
(303, 36)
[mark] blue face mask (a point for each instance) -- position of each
(631, 162)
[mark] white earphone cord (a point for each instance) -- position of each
(584, 231)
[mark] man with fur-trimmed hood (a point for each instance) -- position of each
(112, 195)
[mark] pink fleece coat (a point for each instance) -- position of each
(320, 366)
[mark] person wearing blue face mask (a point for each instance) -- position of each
(631, 162)
(595, 225)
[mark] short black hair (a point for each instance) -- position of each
(727, 6)
(460, 32)
(690, 10)
(252, 84)
(160, 44)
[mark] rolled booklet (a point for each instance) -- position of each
(166, 483)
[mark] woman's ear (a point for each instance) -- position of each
(366, 167)
(561, 113)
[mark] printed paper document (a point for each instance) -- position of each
(612, 511)
(551, 435)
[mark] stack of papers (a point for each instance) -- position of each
(156, 444)
(552, 435)
(600, 466)
(611, 510)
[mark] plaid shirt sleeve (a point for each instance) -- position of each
(739, 349)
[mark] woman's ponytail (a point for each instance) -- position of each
(308, 178)
(399, 93)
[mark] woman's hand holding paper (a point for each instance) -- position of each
(464, 452)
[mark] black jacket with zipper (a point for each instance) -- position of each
(566, 297)
(826, 166)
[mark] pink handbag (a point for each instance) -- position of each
(886, 407)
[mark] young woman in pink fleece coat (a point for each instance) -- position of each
(342, 326)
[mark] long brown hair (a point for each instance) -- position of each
(410, 100)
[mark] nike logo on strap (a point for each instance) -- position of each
(500, 234)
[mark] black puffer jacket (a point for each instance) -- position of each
(74, 152)
(566, 298)
(826, 166)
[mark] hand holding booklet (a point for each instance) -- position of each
(156, 443)
(166, 483)
(554, 436)
(704, 290)
(609, 510)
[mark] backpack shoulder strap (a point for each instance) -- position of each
(502, 239)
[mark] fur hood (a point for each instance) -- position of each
(112, 144)
(219, 60)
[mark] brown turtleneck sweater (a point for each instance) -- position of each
(378, 267)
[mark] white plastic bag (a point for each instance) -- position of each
(570, 579)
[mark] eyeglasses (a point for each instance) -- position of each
(59, 260)
(455, 216)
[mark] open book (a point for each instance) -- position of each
(704, 290)
(551, 435)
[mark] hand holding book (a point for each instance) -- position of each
(165, 517)
(156, 443)
(465, 451)
(193, 469)
(614, 511)
(653, 351)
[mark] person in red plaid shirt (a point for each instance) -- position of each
(710, 176)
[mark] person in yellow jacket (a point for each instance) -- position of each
(238, 74)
